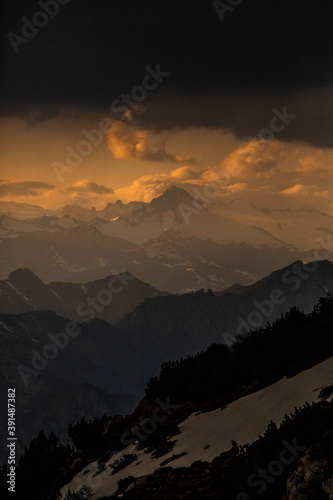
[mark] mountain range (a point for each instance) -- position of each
(145, 284)
(117, 360)
(167, 243)
(109, 298)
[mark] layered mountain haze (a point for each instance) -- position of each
(23, 211)
(191, 215)
(150, 315)
(302, 227)
(178, 210)
(169, 243)
(172, 276)
(151, 327)
(187, 323)
(116, 295)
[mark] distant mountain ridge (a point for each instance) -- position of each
(191, 320)
(176, 243)
(108, 299)
(172, 262)
(186, 322)
(236, 220)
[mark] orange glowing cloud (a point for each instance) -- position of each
(185, 174)
(144, 188)
(255, 159)
(127, 142)
(303, 190)
(317, 161)
(237, 187)
(149, 186)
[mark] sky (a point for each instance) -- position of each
(105, 100)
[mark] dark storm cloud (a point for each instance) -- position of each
(91, 52)
(247, 114)
(42, 115)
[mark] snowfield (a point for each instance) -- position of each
(205, 435)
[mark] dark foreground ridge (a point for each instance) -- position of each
(210, 380)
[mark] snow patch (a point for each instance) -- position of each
(243, 421)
